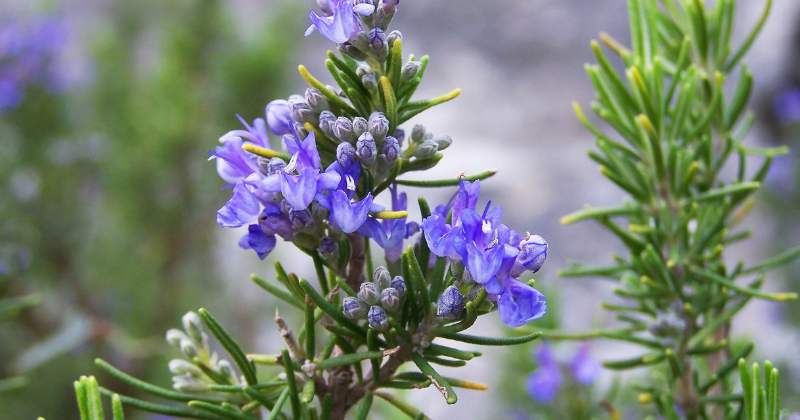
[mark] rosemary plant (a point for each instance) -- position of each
(678, 122)
(308, 173)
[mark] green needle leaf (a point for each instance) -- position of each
(491, 341)
(438, 381)
(247, 368)
(435, 183)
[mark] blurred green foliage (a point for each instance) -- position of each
(122, 210)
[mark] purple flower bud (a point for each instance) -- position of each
(327, 247)
(354, 308)
(426, 150)
(316, 100)
(343, 128)
(370, 82)
(390, 299)
(360, 126)
(366, 149)
(451, 304)
(378, 44)
(378, 125)
(327, 121)
(345, 154)
(409, 70)
(391, 149)
(532, 254)
(399, 284)
(400, 135)
(369, 293)
(279, 117)
(382, 278)
(418, 133)
(301, 112)
(377, 318)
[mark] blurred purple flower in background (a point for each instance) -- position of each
(545, 383)
(29, 50)
(787, 106)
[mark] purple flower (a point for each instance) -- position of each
(494, 255)
(258, 240)
(339, 22)
(242, 208)
(279, 117)
(389, 234)
(520, 303)
(585, 368)
(349, 215)
(543, 385)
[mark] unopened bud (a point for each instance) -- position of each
(343, 129)
(418, 133)
(175, 337)
(451, 304)
(316, 100)
(382, 278)
(409, 71)
(189, 349)
(366, 149)
(226, 369)
(369, 293)
(354, 308)
(326, 123)
(370, 82)
(185, 383)
(394, 35)
(327, 247)
(378, 44)
(390, 299)
(399, 284)
(391, 149)
(443, 142)
(532, 254)
(182, 367)
(426, 149)
(378, 318)
(360, 126)
(345, 155)
(378, 125)
(193, 326)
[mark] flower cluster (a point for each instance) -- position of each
(27, 52)
(202, 366)
(354, 24)
(377, 300)
(494, 255)
(545, 383)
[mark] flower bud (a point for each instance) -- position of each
(443, 142)
(343, 129)
(182, 367)
(326, 123)
(390, 299)
(370, 82)
(226, 369)
(409, 71)
(391, 149)
(354, 308)
(175, 337)
(301, 112)
(382, 278)
(366, 149)
(378, 125)
(369, 293)
(378, 44)
(394, 35)
(189, 349)
(360, 126)
(377, 318)
(426, 149)
(418, 133)
(451, 304)
(327, 247)
(193, 326)
(400, 135)
(316, 100)
(400, 285)
(345, 155)
(279, 117)
(532, 254)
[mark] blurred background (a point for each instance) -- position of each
(107, 202)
